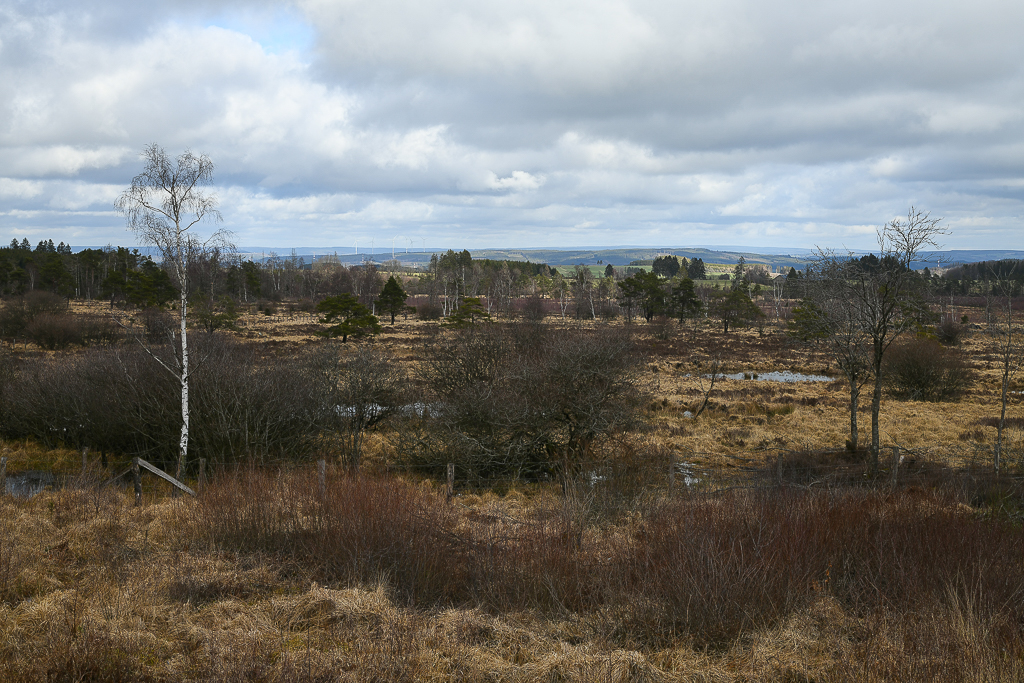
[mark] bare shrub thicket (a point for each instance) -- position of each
(698, 569)
(120, 400)
(55, 332)
(19, 313)
(950, 332)
(351, 392)
(428, 311)
(517, 400)
(921, 369)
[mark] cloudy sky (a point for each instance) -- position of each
(546, 123)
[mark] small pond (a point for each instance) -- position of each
(783, 376)
(689, 476)
(29, 483)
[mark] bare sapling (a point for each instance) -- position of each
(706, 383)
(1009, 362)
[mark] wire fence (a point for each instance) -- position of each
(708, 472)
(666, 470)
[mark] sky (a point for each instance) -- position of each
(537, 123)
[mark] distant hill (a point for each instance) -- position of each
(776, 257)
(554, 257)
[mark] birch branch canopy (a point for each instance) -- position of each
(166, 201)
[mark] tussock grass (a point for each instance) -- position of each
(264, 578)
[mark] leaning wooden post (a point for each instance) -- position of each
(3, 475)
(202, 474)
(321, 467)
(450, 491)
(85, 455)
(895, 464)
(137, 481)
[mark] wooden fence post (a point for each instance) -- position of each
(201, 483)
(451, 481)
(321, 467)
(778, 467)
(137, 481)
(3, 475)
(85, 461)
(671, 473)
(895, 464)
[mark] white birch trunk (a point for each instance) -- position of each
(183, 442)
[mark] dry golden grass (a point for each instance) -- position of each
(92, 588)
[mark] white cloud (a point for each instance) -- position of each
(519, 181)
(479, 120)
(12, 188)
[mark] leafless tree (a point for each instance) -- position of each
(778, 296)
(517, 400)
(583, 291)
(560, 291)
(354, 392)
(163, 207)
(827, 316)
(881, 294)
(1010, 349)
(706, 373)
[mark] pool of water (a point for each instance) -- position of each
(783, 376)
(29, 483)
(688, 475)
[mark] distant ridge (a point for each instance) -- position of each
(778, 257)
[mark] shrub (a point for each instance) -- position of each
(920, 369)
(38, 302)
(99, 330)
(533, 308)
(18, 313)
(123, 401)
(513, 400)
(157, 324)
(950, 332)
(428, 311)
(53, 332)
(13, 319)
(703, 569)
(359, 530)
(608, 310)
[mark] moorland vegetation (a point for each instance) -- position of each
(635, 496)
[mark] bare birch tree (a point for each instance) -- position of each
(162, 207)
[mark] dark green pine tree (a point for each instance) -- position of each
(392, 298)
(351, 318)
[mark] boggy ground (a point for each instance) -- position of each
(751, 420)
(748, 422)
(263, 578)
(266, 578)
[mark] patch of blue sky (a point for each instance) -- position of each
(278, 31)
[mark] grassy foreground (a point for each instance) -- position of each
(266, 578)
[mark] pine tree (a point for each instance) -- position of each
(354, 319)
(392, 298)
